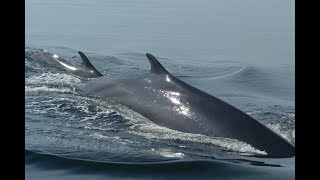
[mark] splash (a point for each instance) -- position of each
(53, 78)
(161, 133)
(168, 153)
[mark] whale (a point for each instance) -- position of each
(169, 102)
(84, 70)
(172, 103)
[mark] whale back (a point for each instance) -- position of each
(172, 103)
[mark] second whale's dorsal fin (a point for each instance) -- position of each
(156, 67)
(87, 64)
(85, 60)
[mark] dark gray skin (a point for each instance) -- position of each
(85, 70)
(172, 103)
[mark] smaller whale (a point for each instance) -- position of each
(85, 69)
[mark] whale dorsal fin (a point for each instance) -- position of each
(156, 67)
(86, 63)
(85, 60)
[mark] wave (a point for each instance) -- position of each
(34, 157)
(42, 165)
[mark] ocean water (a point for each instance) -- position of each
(239, 51)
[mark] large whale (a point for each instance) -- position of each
(172, 103)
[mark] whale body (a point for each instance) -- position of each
(172, 103)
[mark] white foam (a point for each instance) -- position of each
(48, 89)
(294, 134)
(168, 153)
(282, 123)
(157, 132)
(53, 78)
(287, 134)
(172, 155)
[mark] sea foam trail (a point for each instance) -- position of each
(53, 78)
